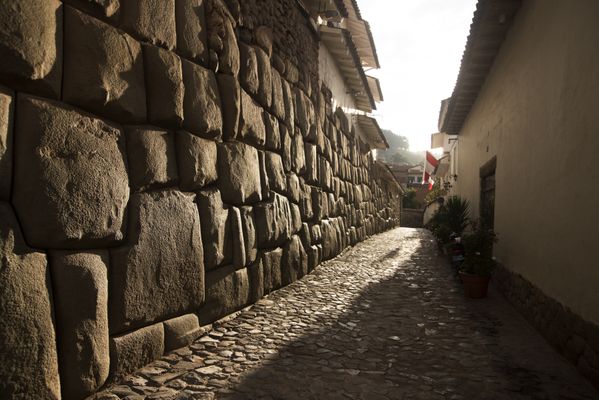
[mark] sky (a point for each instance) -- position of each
(419, 45)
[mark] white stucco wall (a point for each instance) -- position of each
(333, 79)
(539, 114)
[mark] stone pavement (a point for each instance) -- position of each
(385, 320)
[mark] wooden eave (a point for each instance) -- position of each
(340, 44)
(490, 24)
(373, 135)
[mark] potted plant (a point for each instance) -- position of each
(450, 219)
(479, 263)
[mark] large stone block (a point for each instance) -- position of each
(216, 229)
(278, 103)
(221, 36)
(227, 291)
(289, 106)
(107, 77)
(79, 161)
(152, 160)
(239, 175)
(248, 73)
(256, 281)
(296, 218)
(294, 263)
(165, 89)
(103, 9)
(191, 30)
(133, 350)
(196, 160)
(273, 132)
(6, 142)
(271, 264)
(28, 362)
(298, 156)
(311, 164)
(249, 234)
(160, 271)
(81, 305)
(181, 331)
(237, 243)
(252, 127)
(201, 103)
(286, 147)
(230, 94)
(31, 45)
(150, 20)
(264, 94)
(293, 188)
(275, 172)
(273, 222)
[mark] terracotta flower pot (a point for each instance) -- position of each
(475, 286)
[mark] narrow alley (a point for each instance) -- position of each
(385, 320)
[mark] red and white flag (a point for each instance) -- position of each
(430, 166)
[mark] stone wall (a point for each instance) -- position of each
(575, 338)
(163, 163)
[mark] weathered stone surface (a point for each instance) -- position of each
(201, 104)
(289, 107)
(256, 281)
(278, 103)
(181, 331)
(264, 182)
(237, 243)
(330, 239)
(28, 363)
(298, 156)
(6, 142)
(249, 234)
(275, 172)
(296, 218)
(81, 307)
(103, 9)
(271, 264)
(273, 132)
(152, 160)
(216, 229)
(294, 263)
(273, 222)
(263, 36)
(80, 162)
(191, 30)
(248, 73)
(239, 176)
(196, 158)
(227, 290)
(311, 164)
(150, 20)
(159, 272)
(221, 36)
(31, 45)
(230, 94)
(165, 90)
(133, 350)
(264, 94)
(293, 188)
(106, 78)
(286, 147)
(252, 127)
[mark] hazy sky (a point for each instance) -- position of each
(420, 45)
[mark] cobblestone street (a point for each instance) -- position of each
(385, 320)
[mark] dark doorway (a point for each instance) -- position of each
(487, 194)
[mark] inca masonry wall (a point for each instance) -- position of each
(163, 163)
